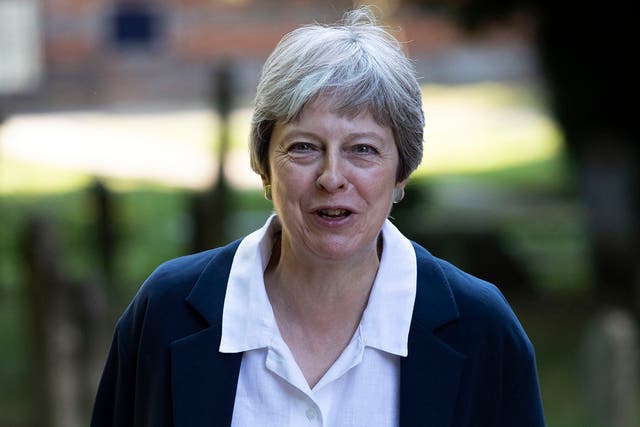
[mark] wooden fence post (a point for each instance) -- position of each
(68, 332)
(210, 210)
(53, 336)
(611, 370)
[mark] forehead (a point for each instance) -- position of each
(345, 103)
(322, 119)
(330, 105)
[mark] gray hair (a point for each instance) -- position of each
(355, 61)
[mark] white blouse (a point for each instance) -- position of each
(361, 388)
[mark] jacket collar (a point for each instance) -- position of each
(435, 304)
(207, 295)
(430, 375)
(203, 379)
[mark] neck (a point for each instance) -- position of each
(318, 304)
(319, 289)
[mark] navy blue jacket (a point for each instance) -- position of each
(470, 362)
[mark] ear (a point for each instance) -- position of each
(398, 191)
(266, 187)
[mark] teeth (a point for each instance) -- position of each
(333, 212)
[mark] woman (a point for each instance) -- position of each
(327, 315)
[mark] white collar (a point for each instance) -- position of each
(248, 322)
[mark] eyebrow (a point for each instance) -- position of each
(351, 136)
(298, 133)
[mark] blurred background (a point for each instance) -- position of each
(123, 142)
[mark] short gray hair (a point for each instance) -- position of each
(360, 65)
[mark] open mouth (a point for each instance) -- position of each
(333, 213)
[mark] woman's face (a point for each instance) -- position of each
(332, 181)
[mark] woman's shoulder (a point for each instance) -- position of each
(171, 282)
(480, 306)
(477, 325)
(479, 322)
(183, 272)
(474, 295)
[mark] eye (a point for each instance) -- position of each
(364, 149)
(303, 151)
(301, 147)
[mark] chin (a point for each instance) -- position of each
(340, 251)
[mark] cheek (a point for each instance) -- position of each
(378, 182)
(291, 184)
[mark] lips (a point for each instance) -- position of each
(333, 213)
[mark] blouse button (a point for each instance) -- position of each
(311, 413)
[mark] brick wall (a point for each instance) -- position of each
(86, 66)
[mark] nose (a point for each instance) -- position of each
(332, 174)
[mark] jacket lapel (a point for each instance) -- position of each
(203, 379)
(430, 374)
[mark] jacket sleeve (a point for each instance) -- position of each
(521, 401)
(115, 403)
(115, 397)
